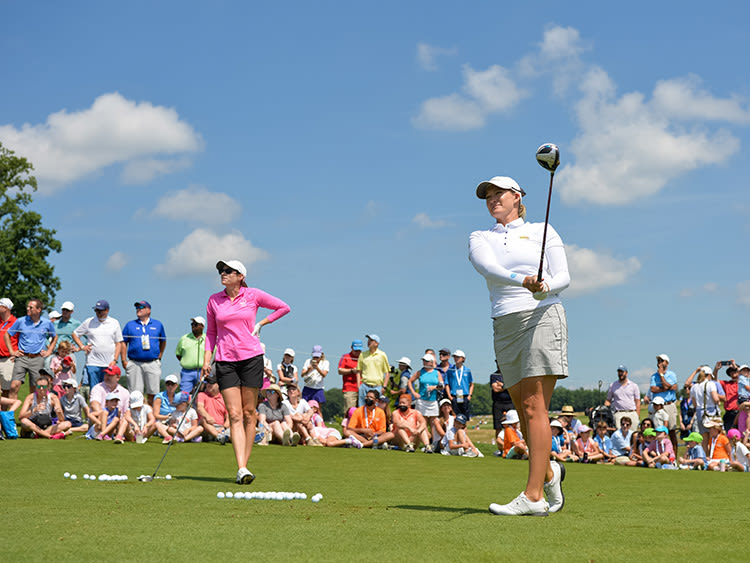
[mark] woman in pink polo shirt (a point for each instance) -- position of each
(231, 329)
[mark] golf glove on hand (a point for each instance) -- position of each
(542, 295)
(256, 330)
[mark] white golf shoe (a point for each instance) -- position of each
(244, 477)
(553, 488)
(521, 506)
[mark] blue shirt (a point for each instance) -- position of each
(459, 379)
(696, 452)
(428, 378)
(671, 378)
(620, 442)
(605, 444)
(135, 334)
(32, 337)
(558, 442)
(65, 331)
(165, 407)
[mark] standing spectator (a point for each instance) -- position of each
(705, 397)
(730, 389)
(190, 352)
(33, 332)
(144, 340)
(314, 371)
(501, 404)
(621, 441)
(286, 370)
(687, 411)
(373, 367)
(66, 324)
(212, 412)
(350, 376)
(38, 409)
(430, 382)
(443, 364)
(739, 456)
(695, 457)
(719, 451)
(104, 343)
(62, 366)
(624, 397)
(410, 427)
(6, 354)
(459, 385)
(664, 384)
(268, 376)
(99, 393)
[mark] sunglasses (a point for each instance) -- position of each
(227, 271)
(67, 387)
(139, 307)
(170, 383)
(42, 386)
(625, 424)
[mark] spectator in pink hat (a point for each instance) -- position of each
(329, 437)
(739, 456)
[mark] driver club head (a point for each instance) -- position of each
(146, 478)
(548, 156)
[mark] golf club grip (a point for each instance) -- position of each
(546, 222)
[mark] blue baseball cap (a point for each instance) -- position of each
(141, 304)
(374, 337)
(181, 397)
(662, 429)
(621, 368)
(101, 305)
(461, 418)
(357, 345)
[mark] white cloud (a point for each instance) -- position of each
(197, 204)
(71, 145)
(558, 55)
(591, 270)
(561, 43)
(743, 293)
(487, 92)
(628, 149)
(201, 249)
(144, 170)
(682, 98)
(427, 55)
(116, 262)
(642, 377)
(423, 221)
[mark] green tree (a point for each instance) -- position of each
(24, 243)
(334, 405)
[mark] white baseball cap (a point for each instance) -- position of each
(136, 399)
(663, 357)
(171, 378)
(72, 382)
(502, 182)
(428, 358)
(5, 302)
(460, 354)
(234, 264)
(289, 352)
(658, 400)
(55, 314)
(511, 417)
(707, 370)
(68, 305)
(199, 320)
(405, 360)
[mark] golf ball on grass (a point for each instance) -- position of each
(168, 477)
(317, 497)
(66, 474)
(219, 495)
(73, 477)
(229, 494)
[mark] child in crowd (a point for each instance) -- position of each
(329, 437)
(286, 371)
(63, 366)
(107, 420)
(604, 443)
(514, 447)
(178, 429)
(141, 420)
(457, 442)
(441, 424)
(586, 448)
(660, 453)
(660, 416)
(74, 406)
(718, 445)
(739, 458)
(695, 457)
(560, 449)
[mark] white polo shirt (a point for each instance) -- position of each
(103, 337)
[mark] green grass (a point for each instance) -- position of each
(377, 505)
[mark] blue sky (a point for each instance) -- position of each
(334, 147)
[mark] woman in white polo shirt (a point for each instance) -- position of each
(530, 330)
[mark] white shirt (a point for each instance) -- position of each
(313, 379)
(506, 254)
(697, 393)
(739, 454)
(302, 406)
(103, 337)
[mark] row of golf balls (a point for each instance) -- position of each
(102, 477)
(268, 495)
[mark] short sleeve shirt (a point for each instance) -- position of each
(32, 336)
(103, 337)
(373, 419)
(373, 367)
(272, 414)
(349, 380)
(671, 378)
(214, 406)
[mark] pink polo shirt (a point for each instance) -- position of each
(230, 323)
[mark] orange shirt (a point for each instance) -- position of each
(373, 419)
(720, 448)
(510, 436)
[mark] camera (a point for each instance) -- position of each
(726, 363)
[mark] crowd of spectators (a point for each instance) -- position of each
(407, 407)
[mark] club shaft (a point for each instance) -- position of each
(546, 222)
(174, 439)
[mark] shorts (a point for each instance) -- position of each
(350, 399)
(24, 364)
(242, 373)
(95, 375)
(144, 376)
(427, 408)
(75, 422)
(308, 394)
(671, 410)
(188, 379)
(498, 413)
(6, 372)
(532, 343)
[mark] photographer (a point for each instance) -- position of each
(287, 371)
(314, 371)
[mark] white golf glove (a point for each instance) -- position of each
(542, 295)
(256, 330)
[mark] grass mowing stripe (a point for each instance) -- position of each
(376, 504)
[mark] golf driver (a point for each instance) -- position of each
(548, 157)
(149, 478)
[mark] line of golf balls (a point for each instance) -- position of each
(102, 477)
(268, 495)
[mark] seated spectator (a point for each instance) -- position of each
(569, 421)
(368, 423)
(212, 412)
(640, 441)
(442, 423)
(585, 447)
(660, 452)
(74, 407)
(719, 452)
(329, 437)
(695, 457)
(99, 392)
(182, 425)
(621, 441)
(743, 422)
(430, 382)
(300, 413)
(739, 456)
(39, 407)
(140, 419)
(345, 421)
(8, 408)
(164, 401)
(457, 441)
(410, 427)
(560, 446)
(514, 446)
(604, 443)
(384, 404)
(106, 420)
(398, 383)
(276, 420)
(660, 416)
(62, 365)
